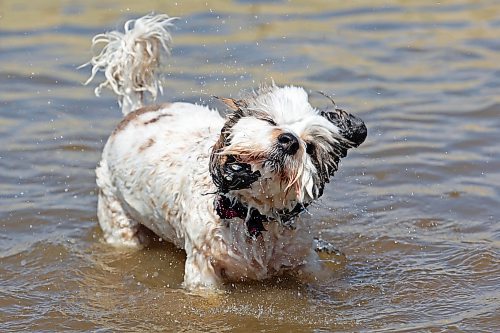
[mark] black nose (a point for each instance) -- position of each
(288, 143)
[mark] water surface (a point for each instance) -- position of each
(416, 209)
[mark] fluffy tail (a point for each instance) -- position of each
(131, 60)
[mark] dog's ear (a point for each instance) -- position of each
(353, 133)
(352, 128)
(217, 161)
(233, 104)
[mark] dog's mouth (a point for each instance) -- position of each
(291, 173)
(276, 189)
(259, 192)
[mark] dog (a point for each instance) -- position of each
(231, 191)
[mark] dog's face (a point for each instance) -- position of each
(291, 148)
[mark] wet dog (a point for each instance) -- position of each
(229, 190)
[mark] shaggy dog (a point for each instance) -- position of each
(229, 191)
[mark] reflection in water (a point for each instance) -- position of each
(414, 209)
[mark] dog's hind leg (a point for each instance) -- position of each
(119, 229)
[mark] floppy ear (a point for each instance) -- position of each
(227, 174)
(233, 104)
(218, 161)
(352, 131)
(351, 128)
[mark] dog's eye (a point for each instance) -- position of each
(270, 121)
(310, 148)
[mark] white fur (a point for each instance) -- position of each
(155, 167)
(289, 108)
(130, 60)
(165, 186)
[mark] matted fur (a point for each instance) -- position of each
(130, 60)
(165, 166)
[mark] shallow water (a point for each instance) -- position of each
(415, 209)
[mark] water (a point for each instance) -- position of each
(415, 209)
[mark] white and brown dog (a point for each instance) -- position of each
(229, 191)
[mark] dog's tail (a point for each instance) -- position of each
(131, 60)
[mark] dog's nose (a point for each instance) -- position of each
(289, 143)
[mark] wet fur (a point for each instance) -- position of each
(164, 166)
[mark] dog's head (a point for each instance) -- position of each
(290, 148)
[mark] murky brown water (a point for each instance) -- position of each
(416, 209)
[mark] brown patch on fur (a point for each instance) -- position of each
(154, 120)
(146, 145)
(249, 156)
(217, 160)
(135, 114)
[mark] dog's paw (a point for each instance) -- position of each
(325, 249)
(238, 176)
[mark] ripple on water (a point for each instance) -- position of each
(414, 210)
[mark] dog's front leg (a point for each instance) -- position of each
(199, 272)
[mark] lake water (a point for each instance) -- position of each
(415, 210)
